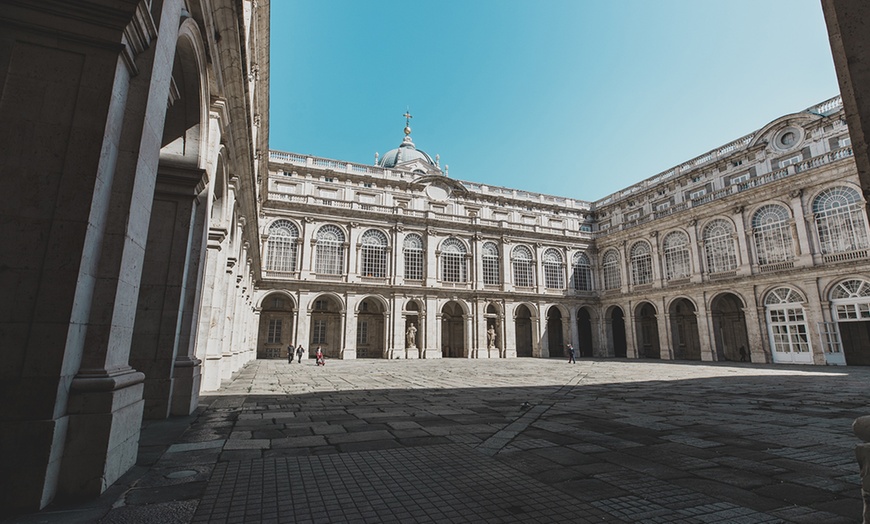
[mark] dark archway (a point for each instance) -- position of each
(555, 338)
(370, 334)
(326, 328)
(276, 326)
(523, 330)
(648, 344)
(617, 332)
(452, 330)
(684, 330)
(729, 326)
(584, 332)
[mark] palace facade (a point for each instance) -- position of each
(754, 251)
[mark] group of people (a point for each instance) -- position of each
(299, 351)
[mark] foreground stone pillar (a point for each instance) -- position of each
(861, 428)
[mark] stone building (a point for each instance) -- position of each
(755, 251)
(131, 134)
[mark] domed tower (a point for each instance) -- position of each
(407, 157)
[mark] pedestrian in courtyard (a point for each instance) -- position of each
(742, 352)
(299, 352)
(290, 352)
(319, 357)
(571, 358)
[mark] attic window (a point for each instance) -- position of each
(328, 179)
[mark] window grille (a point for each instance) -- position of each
(719, 247)
(330, 250)
(851, 289)
(641, 263)
(582, 272)
(318, 333)
(612, 276)
(554, 275)
(453, 263)
(491, 271)
(522, 262)
(772, 233)
(840, 221)
(677, 260)
(788, 327)
(274, 335)
(362, 333)
(282, 246)
(413, 249)
(374, 254)
(695, 195)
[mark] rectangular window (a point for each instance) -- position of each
(695, 195)
(318, 333)
(844, 141)
(274, 335)
(661, 206)
(790, 160)
(413, 264)
(739, 179)
(362, 333)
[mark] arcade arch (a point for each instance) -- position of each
(648, 345)
(729, 326)
(684, 330)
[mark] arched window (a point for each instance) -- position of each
(851, 300)
(840, 221)
(612, 276)
(491, 272)
(374, 254)
(772, 233)
(641, 264)
(582, 272)
(719, 247)
(281, 247)
(522, 262)
(413, 250)
(330, 250)
(851, 289)
(789, 336)
(677, 260)
(554, 275)
(453, 265)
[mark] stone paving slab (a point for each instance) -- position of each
(523, 440)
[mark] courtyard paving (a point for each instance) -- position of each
(521, 440)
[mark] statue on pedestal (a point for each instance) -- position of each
(411, 336)
(490, 337)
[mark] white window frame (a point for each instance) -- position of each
(282, 247)
(719, 250)
(771, 230)
(330, 250)
(678, 261)
(554, 273)
(641, 263)
(454, 267)
(523, 265)
(373, 254)
(491, 264)
(413, 253)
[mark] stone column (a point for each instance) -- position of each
(211, 321)
(744, 262)
(630, 331)
(752, 315)
(506, 273)
(468, 320)
(706, 332)
(509, 333)
(350, 321)
(303, 321)
(799, 229)
(431, 243)
(662, 318)
(696, 252)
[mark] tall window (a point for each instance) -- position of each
(453, 265)
(274, 335)
(281, 247)
(719, 247)
(610, 264)
(362, 333)
(772, 233)
(374, 254)
(677, 261)
(413, 249)
(330, 250)
(491, 272)
(641, 263)
(582, 272)
(840, 221)
(788, 326)
(318, 334)
(554, 275)
(521, 260)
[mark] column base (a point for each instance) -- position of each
(211, 374)
(185, 388)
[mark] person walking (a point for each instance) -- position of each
(319, 356)
(299, 352)
(571, 358)
(290, 352)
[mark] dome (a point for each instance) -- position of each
(406, 152)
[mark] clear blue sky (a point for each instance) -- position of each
(576, 98)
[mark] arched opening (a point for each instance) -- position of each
(276, 326)
(648, 345)
(617, 332)
(850, 301)
(494, 341)
(555, 337)
(787, 327)
(326, 328)
(684, 330)
(370, 333)
(729, 327)
(584, 332)
(452, 330)
(523, 328)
